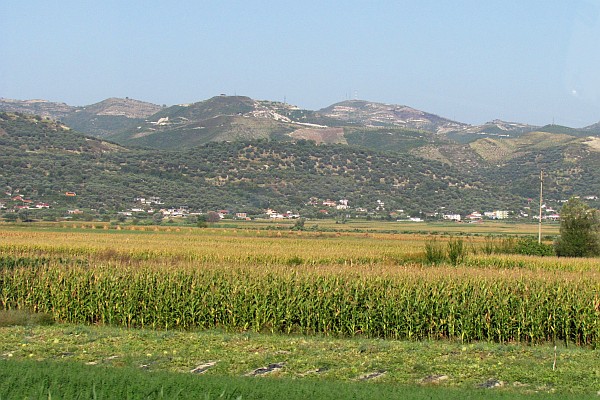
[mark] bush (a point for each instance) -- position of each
(457, 251)
(530, 246)
(579, 230)
(299, 225)
(434, 252)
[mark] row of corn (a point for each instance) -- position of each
(429, 303)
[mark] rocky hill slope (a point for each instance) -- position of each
(228, 118)
(42, 108)
(366, 113)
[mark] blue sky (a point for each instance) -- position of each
(527, 61)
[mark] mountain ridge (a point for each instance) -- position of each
(138, 123)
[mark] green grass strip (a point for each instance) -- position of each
(68, 380)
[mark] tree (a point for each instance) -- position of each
(157, 218)
(299, 225)
(579, 230)
(212, 217)
(201, 222)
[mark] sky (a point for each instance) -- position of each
(530, 61)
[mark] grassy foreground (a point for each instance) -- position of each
(75, 361)
(46, 380)
(337, 288)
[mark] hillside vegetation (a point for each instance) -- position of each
(415, 171)
(42, 159)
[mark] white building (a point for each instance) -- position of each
(452, 217)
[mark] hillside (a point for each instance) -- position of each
(25, 134)
(221, 118)
(42, 108)
(238, 153)
(565, 130)
(109, 116)
(571, 165)
(593, 129)
(245, 176)
(366, 113)
(229, 118)
(493, 129)
(371, 125)
(101, 119)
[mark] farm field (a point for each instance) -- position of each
(486, 227)
(348, 305)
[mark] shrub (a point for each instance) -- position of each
(579, 230)
(434, 252)
(530, 246)
(456, 251)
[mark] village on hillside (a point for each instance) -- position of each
(15, 205)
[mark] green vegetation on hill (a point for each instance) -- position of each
(218, 105)
(387, 139)
(569, 169)
(238, 175)
(217, 129)
(100, 125)
(29, 134)
(565, 130)
(410, 170)
(107, 117)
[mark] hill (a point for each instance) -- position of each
(372, 125)
(493, 129)
(31, 134)
(42, 108)
(218, 119)
(571, 164)
(236, 152)
(245, 176)
(229, 118)
(101, 119)
(593, 129)
(109, 116)
(366, 113)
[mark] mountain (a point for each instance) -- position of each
(226, 118)
(100, 119)
(571, 164)
(37, 107)
(360, 112)
(565, 130)
(109, 116)
(43, 159)
(372, 125)
(229, 118)
(129, 108)
(593, 129)
(496, 128)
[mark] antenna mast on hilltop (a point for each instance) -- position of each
(541, 196)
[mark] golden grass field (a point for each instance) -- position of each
(348, 283)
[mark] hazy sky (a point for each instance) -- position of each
(517, 60)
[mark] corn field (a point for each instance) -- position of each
(310, 284)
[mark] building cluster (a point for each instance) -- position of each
(153, 205)
(18, 202)
(326, 207)
(477, 216)
(276, 215)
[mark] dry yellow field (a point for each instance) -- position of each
(341, 283)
